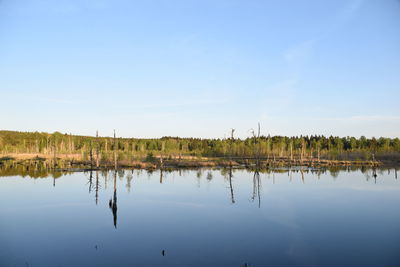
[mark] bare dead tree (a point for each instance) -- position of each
(231, 148)
(257, 147)
(97, 149)
(319, 161)
(115, 152)
(291, 152)
(55, 153)
(91, 154)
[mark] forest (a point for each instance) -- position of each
(265, 147)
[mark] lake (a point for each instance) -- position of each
(205, 217)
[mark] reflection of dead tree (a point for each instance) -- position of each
(256, 187)
(90, 180)
(231, 186)
(97, 187)
(161, 167)
(161, 176)
(374, 174)
(113, 202)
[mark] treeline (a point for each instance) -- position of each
(13, 142)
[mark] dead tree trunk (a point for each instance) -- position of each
(291, 153)
(97, 149)
(91, 155)
(115, 152)
(55, 153)
(231, 148)
(258, 147)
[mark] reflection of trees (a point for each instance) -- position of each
(121, 174)
(209, 176)
(334, 172)
(129, 178)
(31, 168)
(199, 173)
(105, 174)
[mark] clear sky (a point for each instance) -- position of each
(199, 68)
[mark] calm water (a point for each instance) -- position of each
(201, 218)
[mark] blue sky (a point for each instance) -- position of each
(199, 68)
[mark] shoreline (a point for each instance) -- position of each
(65, 162)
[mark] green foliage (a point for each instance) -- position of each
(131, 148)
(150, 157)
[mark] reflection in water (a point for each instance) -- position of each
(231, 186)
(113, 201)
(129, 178)
(374, 174)
(31, 168)
(209, 176)
(97, 187)
(256, 187)
(281, 229)
(90, 182)
(38, 170)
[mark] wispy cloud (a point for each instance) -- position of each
(300, 52)
(176, 104)
(281, 93)
(181, 103)
(362, 118)
(60, 7)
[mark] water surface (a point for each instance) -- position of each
(201, 218)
